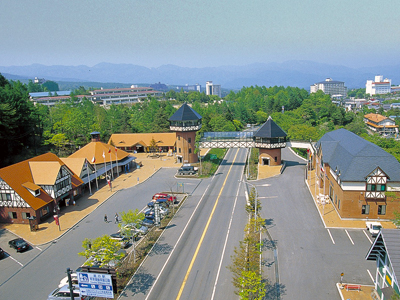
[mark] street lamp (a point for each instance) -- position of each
(256, 196)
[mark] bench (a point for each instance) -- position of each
(353, 287)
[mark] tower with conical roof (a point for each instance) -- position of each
(185, 122)
(270, 139)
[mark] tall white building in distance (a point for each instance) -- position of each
(213, 89)
(330, 87)
(379, 86)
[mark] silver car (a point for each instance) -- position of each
(63, 293)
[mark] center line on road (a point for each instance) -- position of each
(333, 241)
(349, 236)
(226, 241)
(367, 237)
(205, 231)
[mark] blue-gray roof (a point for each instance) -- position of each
(388, 240)
(185, 113)
(331, 81)
(45, 94)
(354, 157)
(270, 130)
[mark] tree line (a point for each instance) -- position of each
(27, 130)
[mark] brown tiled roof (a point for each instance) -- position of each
(96, 149)
(131, 139)
(74, 164)
(20, 178)
(375, 117)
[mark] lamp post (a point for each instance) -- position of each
(256, 196)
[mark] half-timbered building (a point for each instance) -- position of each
(38, 187)
(359, 178)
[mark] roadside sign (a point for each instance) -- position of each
(95, 285)
(157, 213)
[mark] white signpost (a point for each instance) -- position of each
(95, 285)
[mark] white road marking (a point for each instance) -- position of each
(226, 241)
(372, 278)
(349, 236)
(15, 260)
(367, 237)
(38, 248)
(183, 231)
(333, 241)
(267, 197)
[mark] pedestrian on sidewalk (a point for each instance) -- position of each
(105, 219)
(116, 218)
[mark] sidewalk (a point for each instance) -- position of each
(49, 231)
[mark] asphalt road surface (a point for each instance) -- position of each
(191, 259)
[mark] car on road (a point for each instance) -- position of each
(63, 293)
(18, 244)
(64, 281)
(2, 254)
(186, 170)
(123, 240)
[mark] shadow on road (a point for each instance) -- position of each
(160, 249)
(141, 283)
(275, 291)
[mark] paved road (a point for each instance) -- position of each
(309, 262)
(41, 270)
(194, 258)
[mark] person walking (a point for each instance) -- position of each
(105, 219)
(116, 218)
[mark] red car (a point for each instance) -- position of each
(164, 196)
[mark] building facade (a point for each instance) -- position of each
(378, 86)
(335, 89)
(357, 175)
(381, 124)
(36, 188)
(213, 89)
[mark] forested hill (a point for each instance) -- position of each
(27, 130)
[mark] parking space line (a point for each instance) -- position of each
(367, 237)
(349, 236)
(333, 241)
(38, 248)
(15, 260)
(373, 280)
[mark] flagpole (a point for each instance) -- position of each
(116, 160)
(87, 169)
(112, 173)
(105, 166)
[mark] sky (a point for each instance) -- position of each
(194, 33)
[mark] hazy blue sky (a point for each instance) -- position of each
(196, 33)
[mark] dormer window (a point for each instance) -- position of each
(37, 193)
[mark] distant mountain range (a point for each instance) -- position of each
(290, 73)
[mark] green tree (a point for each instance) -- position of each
(253, 287)
(101, 250)
(51, 86)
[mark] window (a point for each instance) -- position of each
(276, 159)
(365, 210)
(179, 150)
(335, 199)
(179, 137)
(190, 150)
(6, 196)
(26, 215)
(381, 209)
(381, 187)
(37, 193)
(339, 204)
(12, 214)
(371, 187)
(189, 140)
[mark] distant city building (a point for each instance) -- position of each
(160, 87)
(381, 124)
(189, 87)
(379, 86)
(213, 89)
(39, 80)
(130, 95)
(335, 89)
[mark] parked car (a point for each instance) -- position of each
(138, 228)
(63, 293)
(148, 223)
(64, 281)
(162, 202)
(19, 244)
(123, 240)
(2, 254)
(186, 170)
(164, 196)
(373, 228)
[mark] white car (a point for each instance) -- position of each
(64, 281)
(63, 293)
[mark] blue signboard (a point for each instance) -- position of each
(95, 285)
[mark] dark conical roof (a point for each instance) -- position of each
(270, 130)
(185, 113)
